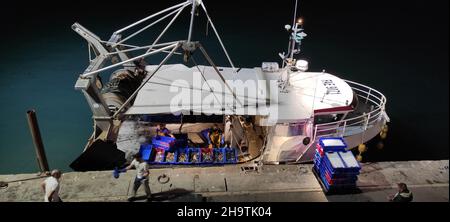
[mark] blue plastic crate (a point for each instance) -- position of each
(333, 144)
(350, 161)
(182, 152)
(218, 152)
(174, 160)
(347, 178)
(158, 155)
(231, 155)
(338, 165)
(333, 162)
(337, 171)
(195, 152)
(165, 142)
(324, 181)
(146, 151)
(340, 186)
(317, 159)
(207, 155)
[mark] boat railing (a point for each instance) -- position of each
(370, 97)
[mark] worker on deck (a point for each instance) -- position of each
(163, 131)
(228, 132)
(50, 186)
(215, 137)
(403, 194)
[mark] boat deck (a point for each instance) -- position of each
(133, 133)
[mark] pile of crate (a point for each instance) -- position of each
(336, 168)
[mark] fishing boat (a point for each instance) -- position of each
(272, 114)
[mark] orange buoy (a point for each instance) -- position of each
(362, 148)
(359, 158)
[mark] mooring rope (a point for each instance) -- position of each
(4, 184)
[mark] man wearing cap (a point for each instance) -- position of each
(50, 186)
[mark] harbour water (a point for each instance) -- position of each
(402, 50)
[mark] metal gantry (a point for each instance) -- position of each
(117, 51)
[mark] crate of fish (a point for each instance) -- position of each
(183, 156)
(146, 151)
(195, 155)
(158, 155)
(231, 155)
(332, 144)
(219, 155)
(171, 157)
(207, 155)
(165, 142)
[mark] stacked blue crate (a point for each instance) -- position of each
(165, 142)
(146, 151)
(336, 168)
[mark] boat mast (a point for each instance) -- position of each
(294, 29)
(295, 38)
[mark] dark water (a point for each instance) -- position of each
(399, 48)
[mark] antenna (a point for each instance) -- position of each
(295, 40)
(295, 13)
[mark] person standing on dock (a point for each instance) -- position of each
(142, 175)
(403, 195)
(50, 186)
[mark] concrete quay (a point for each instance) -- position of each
(428, 180)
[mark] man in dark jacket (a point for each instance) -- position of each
(403, 195)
